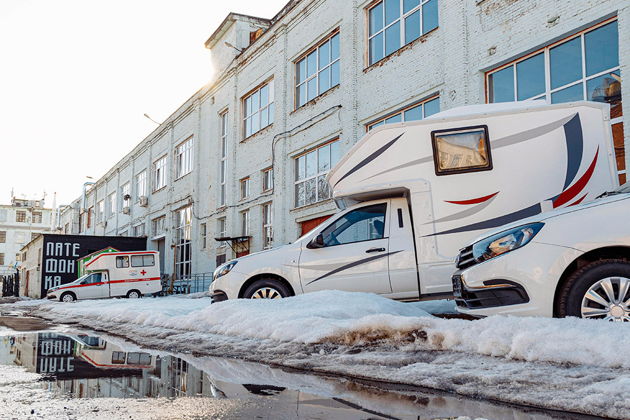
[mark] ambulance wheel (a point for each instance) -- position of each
(133, 294)
(68, 297)
(266, 289)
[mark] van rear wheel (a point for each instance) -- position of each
(268, 288)
(133, 294)
(68, 297)
(599, 290)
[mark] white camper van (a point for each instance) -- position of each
(113, 274)
(412, 194)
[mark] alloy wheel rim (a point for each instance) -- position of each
(133, 295)
(608, 299)
(67, 298)
(266, 293)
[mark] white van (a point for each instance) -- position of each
(113, 274)
(412, 194)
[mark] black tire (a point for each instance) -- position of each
(270, 285)
(67, 295)
(130, 294)
(578, 283)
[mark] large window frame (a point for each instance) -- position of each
(380, 29)
(318, 70)
(125, 191)
(258, 115)
(141, 184)
(184, 158)
(111, 205)
(160, 179)
(408, 113)
(223, 166)
(267, 225)
(183, 243)
(306, 178)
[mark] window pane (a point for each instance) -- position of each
(566, 63)
(363, 224)
(264, 118)
(324, 80)
(461, 151)
(409, 4)
(335, 153)
(429, 16)
(248, 127)
(324, 55)
(248, 106)
(392, 11)
(323, 161)
(310, 191)
(431, 107)
(323, 191)
(264, 95)
(414, 113)
(334, 48)
(301, 94)
(606, 88)
(270, 110)
(394, 119)
(256, 101)
(334, 74)
(311, 64)
(392, 38)
(376, 48)
(300, 196)
(530, 77)
(502, 85)
(255, 122)
(301, 70)
(312, 88)
(376, 19)
(602, 49)
(311, 164)
(573, 93)
(412, 27)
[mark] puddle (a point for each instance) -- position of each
(79, 365)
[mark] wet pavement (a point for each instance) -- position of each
(62, 372)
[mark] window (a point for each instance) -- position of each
(1, 258)
(141, 184)
(310, 173)
(125, 192)
(267, 222)
(395, 23)
(89, 216)
(244, 188)
(159, 225)
(203, 233)
(223, 164)
(245, 223)
(138, 230)
(463, 150)
(100, 211)
(184, 157)
(221, 258)
(364, 224)
(20, 216)
(258, 109)
(143, 260)
(118, 357)
(159, 173)
(3, 236)
(122, 262)
(135, 358)
(221, 231)
(37, 217)
(318, 71)
(183, 236)
(111, 205)
(583, 67)
(414, 112)
(92, 279)
(267, 179)
(18, 257)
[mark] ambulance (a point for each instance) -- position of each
(113, 274)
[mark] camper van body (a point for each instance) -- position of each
(414, 193)
(114, 274)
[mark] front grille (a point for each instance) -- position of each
(465, 258)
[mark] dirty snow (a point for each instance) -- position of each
(567, 364)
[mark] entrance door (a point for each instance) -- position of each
(161, 247)
(354, 253)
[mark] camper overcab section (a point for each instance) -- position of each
(412, 194)
(114, 274)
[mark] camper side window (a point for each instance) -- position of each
(122, 262)
(118, 357)
(461, 150)
(142, 260)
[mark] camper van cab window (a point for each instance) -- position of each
(92, 278)
(122, 262)
(142, 260)
(364, 224)
(461, 150)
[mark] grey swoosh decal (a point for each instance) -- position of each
(502, 142)
(468, 212)
(353, 264)
(497, 221)
(575, 148)
(370, 158)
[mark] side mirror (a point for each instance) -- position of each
(316, 242)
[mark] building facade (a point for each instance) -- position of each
(20, 222)
(245, 158)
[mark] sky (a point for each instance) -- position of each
(76, 77)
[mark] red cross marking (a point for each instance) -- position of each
(143, 272)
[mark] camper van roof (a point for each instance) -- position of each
(481, 109)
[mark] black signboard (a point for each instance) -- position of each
(61, 252)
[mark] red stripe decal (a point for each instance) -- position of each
(572, 192)
(119, 254)
(110, 282)
(579, 201)
(474, 200)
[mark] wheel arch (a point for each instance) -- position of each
(276, 277)
(609, 252)
(68, 292)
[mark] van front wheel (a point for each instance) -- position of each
(68, 297)
(266, 289)
(133, 294)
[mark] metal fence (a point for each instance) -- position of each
(10, 284)
(195, 284)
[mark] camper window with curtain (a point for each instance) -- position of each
(463, 150)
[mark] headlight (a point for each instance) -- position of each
(222, 270)
(504, 242)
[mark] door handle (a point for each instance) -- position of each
(375, 250)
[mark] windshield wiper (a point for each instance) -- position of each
(607, 193)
